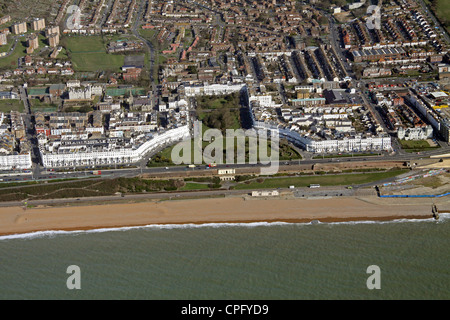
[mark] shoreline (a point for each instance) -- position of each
(232, 210)
(206, 223)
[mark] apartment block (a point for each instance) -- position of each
(19, 28)
(53, 40)
(3, 39)
(51, 30)
(38, 24)
(33, 41)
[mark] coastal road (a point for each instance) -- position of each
(43, 175)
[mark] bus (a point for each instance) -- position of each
(314, 185)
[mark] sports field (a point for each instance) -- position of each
(89, 54)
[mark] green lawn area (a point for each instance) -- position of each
(89, 54)
(416, 145)
(148, 33)
(194, 186)
(323, 180)
(97, 62)
(441, 9)
(10, 62)
(220, 112)
(164, 157)
(9, 105)
(6, 47)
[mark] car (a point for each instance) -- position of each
(167, 168)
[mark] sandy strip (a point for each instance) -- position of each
(16, 220)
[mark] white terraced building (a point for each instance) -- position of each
(59, 155)
(15, 161)
(351, 144)
(213, 89)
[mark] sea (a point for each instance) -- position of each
(255, 261)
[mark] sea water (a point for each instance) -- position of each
(232, 261)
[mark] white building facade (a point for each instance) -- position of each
(111, 157)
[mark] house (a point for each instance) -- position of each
(28, 60)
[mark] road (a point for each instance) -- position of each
(41, 174)
(335, 42)
(31, 133)
(137, 23)
(297, 192)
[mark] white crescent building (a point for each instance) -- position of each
(104, 151)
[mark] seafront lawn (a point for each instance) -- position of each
(323, 180)
(194, 186)
(163, 158)
(416, 145)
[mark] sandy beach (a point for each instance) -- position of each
(16, 220)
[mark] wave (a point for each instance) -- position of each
(54, 233)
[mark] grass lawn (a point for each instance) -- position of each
(416, 145)
(220, 112)
(194, 186)
(9, 105)
(164, 158)
(6, 47)
(85, 188)
(148, 33)
(97, 62)
(10, 62)
(442, 11)
(323, 180)
(89, 54)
